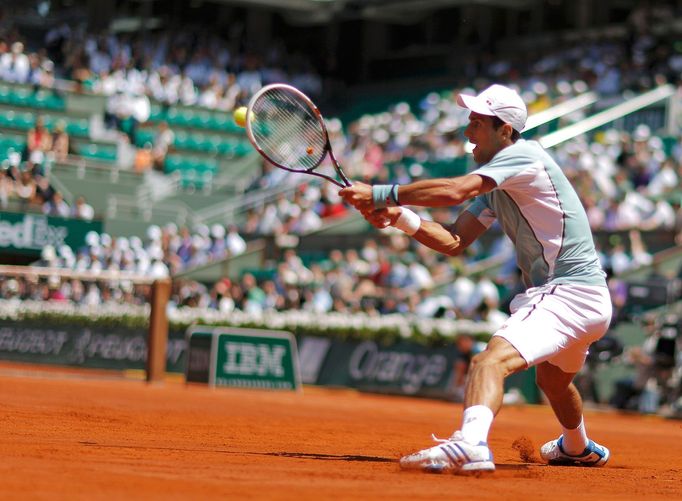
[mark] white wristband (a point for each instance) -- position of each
(408, 221)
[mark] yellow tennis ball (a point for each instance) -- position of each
(239, 116)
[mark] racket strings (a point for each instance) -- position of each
(288, 130)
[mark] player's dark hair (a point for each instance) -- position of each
(498, 122)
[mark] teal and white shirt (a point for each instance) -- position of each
(540, 211)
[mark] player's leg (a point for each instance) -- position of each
(562, 394)
(485, 387)
(572, 447)
(585, 313)
(544, 322)
(467, 450)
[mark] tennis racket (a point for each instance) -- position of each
(288, 130)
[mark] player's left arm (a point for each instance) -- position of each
(451, 239)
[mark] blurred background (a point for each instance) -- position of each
(118, 154)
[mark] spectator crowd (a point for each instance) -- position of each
(24, 180)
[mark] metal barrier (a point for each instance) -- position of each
(620, 110)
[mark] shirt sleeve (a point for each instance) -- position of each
(482, 211)
(507, 166)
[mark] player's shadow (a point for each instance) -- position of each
(514, 467)
(300, 455)
(330, 457)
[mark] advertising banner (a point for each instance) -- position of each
(117, 348)
(245, 358)
(403, 368)
(29, 233)
(252, 358)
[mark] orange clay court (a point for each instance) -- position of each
(73, 435)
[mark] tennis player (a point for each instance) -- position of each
(566, 305)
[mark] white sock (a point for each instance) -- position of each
(575, 440)
(476, 423)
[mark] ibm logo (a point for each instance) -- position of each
(247, 359)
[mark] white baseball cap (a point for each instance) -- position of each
(500, 101)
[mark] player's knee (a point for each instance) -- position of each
(552, 380)
(551, 387)
(489, 360)
(499, 356)
(543, 384)
(476, 361)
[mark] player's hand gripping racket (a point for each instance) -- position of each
(286, 128)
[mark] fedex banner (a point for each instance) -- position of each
(29, 233)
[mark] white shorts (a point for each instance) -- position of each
(557, 323)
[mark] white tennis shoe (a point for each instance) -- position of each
(593, 455)
(451, 455)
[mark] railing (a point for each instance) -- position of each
(159, 186)
(570, 106)
(226, 177)
(140, 207)
(241, 204)
(614, 113)
(86, 168)
(61, 188)
(85, 275)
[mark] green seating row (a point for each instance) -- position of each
(42, 99)
(191, 179)
(11, 142)
(194, 172)
(196, 118)
(207, 143)
(25, 120)
(5, 152)
(179, 162)
(669, 143)
(103, 152)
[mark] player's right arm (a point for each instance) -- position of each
(451, 240)
(443, 192)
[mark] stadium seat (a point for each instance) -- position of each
(143, 136)
(189, 178)
(214, 144)
(6, 118)
(12, 142)
(196, 118)
(41, 99)
(243, 148)
(24, 121)
(669, 143)
(202, 120)
(181, 140)
(78, 127)
(185, 118)
(99, 152)
(157, 114)
(172, 163)
(20, 97)
(5, 94)
(47, 100)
